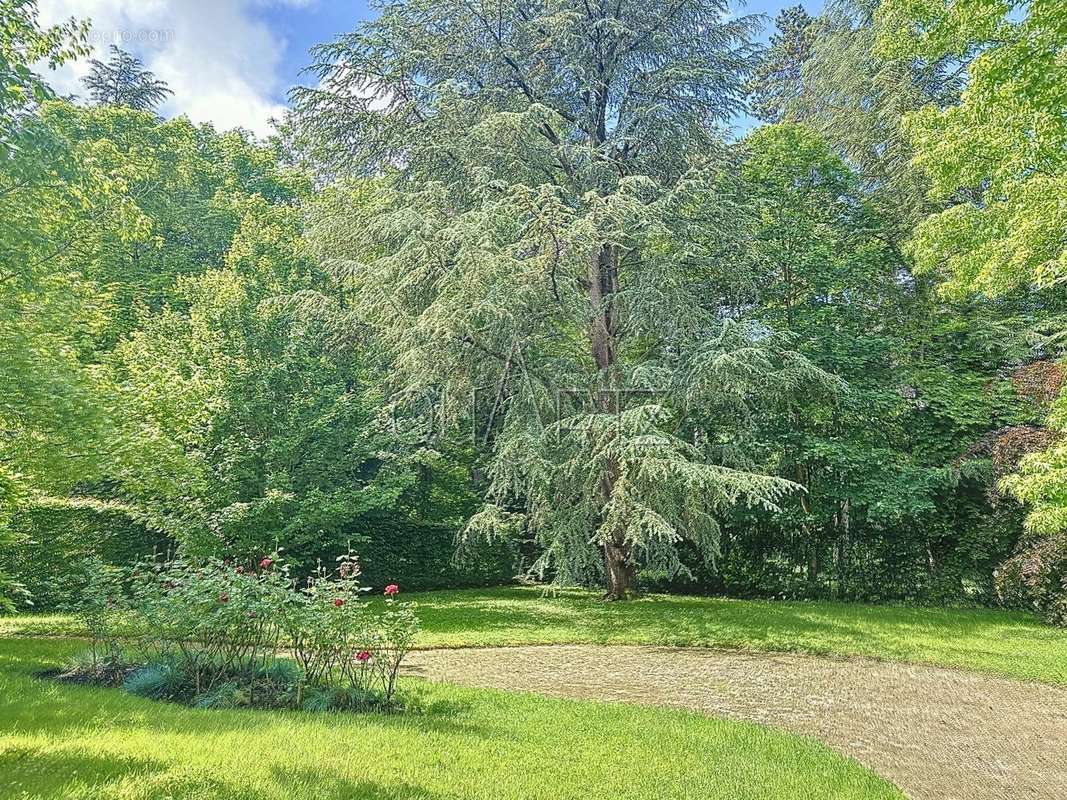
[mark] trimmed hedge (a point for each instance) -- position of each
(420, 555)
(53, 542)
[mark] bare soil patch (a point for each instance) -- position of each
(939, 734)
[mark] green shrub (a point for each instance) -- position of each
(318, 700)
(159, 681)
(422, 556)
(101, 608)
(281, 672)
(225, 695)
(212, 634)
(53, 542)
(1035, 578)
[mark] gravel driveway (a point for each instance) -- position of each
(939, 734)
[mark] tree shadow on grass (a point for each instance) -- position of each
(41, 705)
(54, 773)
(309, 784)
(77, 717)
(65, 773)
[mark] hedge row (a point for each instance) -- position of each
(420, 555)
(53, 543)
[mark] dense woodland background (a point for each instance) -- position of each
(818, 361)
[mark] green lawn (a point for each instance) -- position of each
(986, 640)
(61, 741)
(1001, 642)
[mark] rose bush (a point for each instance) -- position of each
(218, 633)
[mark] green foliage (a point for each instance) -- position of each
(177, 352)
(213, 635)
(858, 102)
(123, 81)
(179, 194)
(157, 682)
(52, 398)
(55, 540)
(776, 79)
(396, 548)
(102, 210)
(254, 425)
(1035, 578)
(100, 607)
(249, 756)
(23, 43)
(894, 507)
(997, 160)
(997, 157)
(532, 243)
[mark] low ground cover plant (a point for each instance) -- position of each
(219, 634)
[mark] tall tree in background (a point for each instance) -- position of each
(537, 241)
(42, 385)
(254, 423)
(998, 160)
(123, 81)
(776, 81)
(891, 509)
(857, 101)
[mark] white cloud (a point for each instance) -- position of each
(218, 58)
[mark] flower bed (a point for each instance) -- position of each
(219, 634)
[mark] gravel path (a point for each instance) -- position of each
(939, 734)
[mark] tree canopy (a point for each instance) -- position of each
(507, 277)
(122, 80)
(541, 242)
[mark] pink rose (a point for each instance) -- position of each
(391, 589)
(363, 656)
(266, 562)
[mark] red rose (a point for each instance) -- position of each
(391, 589)
(363, 656)
(266, 562)
(338, 602)
(224, 598)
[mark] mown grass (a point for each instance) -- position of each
(62, 741)
(985, 640)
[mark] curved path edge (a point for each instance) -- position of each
(938, 733)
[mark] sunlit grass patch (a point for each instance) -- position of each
(1001, 642)
(62, 741)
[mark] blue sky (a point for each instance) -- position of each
(230, 62)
